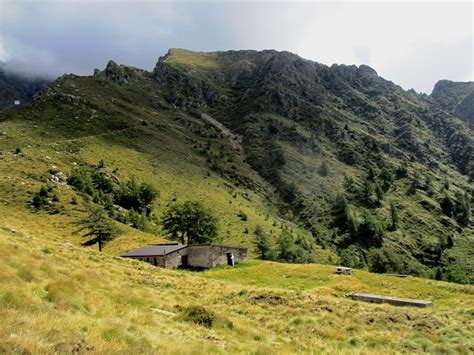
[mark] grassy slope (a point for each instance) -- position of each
(21, 175)
(55, 297)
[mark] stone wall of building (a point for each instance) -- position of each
(174, 260)
(203, 256)
(208, 256)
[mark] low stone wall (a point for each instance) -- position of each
(390, 300)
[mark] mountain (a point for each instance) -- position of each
(17, 88)
(456, 98)
(357, 169)
(334, 165)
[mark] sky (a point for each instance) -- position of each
(413, 44)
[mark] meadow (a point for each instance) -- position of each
(56, 297)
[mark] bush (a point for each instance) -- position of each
(139, 197)
(243, 216)
(352, 257)
(453, 273)
(81, 180)
(202, 316)
(47, 199)
(295, 249)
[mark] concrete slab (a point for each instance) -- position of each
(366, 297)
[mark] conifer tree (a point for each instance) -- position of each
(394, 217)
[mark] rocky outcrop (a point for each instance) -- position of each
(122, 74)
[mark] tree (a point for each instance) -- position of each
(463, 208)
(190, 222)
(367, 192)
(379, 194)
(371, 232)
(137, 196)
(429, 187)
(263, 244)
(349, 183)
(344, 218)
(286, 247)
(323, 169)
(295, 250)
(387, 179)
(394, 217)
(98, 227)
(447, 205)
(414, 184)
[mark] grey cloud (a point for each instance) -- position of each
(51, 37)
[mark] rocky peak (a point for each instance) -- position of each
(122, 74)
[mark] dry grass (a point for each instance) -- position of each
(57, 297)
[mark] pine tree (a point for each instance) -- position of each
(394, 217)
(367, 192)
(323, 169)
(464, 209)
(263, 244)
(98, 227)
(379, 193)
(429, 188)
(447, 205)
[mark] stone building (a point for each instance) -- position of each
(176, 255)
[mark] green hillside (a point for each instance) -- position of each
(332, 164)
(290, 143)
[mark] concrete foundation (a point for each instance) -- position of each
(366, 297)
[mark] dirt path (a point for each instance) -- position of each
(234, 139)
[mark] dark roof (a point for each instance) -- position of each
(154, 250)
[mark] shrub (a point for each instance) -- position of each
(299, 249)
(81, 180)
(47, 199)
(202, 316)
(243, 216)
(453, 273)
(139, 197)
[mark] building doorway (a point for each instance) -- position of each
(184, 260)
(230, 259)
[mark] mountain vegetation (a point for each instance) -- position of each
(302, 163)
(334, 160)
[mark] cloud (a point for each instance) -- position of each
(413, 44)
